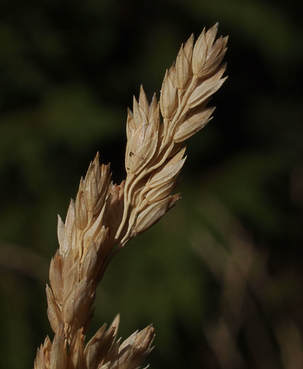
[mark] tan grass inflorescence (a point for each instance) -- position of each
(105, 216)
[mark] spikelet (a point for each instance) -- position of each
(154, 152)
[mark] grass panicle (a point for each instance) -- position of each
(105, 216)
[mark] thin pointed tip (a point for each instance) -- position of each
(129, 111)
(116, 320)
(135, 102)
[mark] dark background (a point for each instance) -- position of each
(68, 71)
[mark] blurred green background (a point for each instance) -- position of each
(68, 71)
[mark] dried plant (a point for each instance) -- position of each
(105, 216)
(256, 321)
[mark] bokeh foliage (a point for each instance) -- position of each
(68, 71)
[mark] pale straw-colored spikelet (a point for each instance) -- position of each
(105, 216)
(155, 145)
